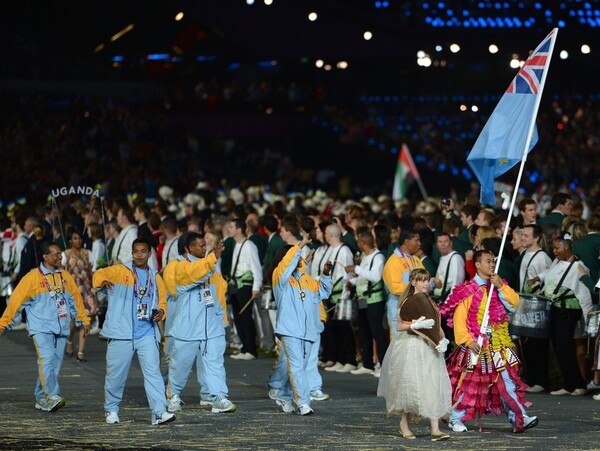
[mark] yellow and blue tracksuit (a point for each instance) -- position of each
(197, 328)
(168, 275)
(51, 299)
(298, 323)
(128, 332)
(396, 272)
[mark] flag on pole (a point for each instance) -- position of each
(406, 173)
(511, 127)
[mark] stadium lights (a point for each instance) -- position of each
(319, 63)
(342, 65)
(463, 107)
(327, 67)
(564, 54)
(585, 49)
(514, 62)
(455, 48)
(474, 108)
(493, 48)
(312, 16)
(268, 2)
(367, 35)
(179, 16)
(249, 2)
(125, 30)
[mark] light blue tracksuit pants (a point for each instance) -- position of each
(392, 316)
(50, 350)
(118, 359)
(296, 385)
(210, 366)
(279, 372)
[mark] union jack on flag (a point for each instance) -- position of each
(510, 131)
(527, 80)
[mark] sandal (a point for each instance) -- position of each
(81, 357)
(67, 352)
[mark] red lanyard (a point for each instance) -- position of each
(56, 289)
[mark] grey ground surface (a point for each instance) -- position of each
(353, 419)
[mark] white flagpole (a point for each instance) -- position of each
(486, 314)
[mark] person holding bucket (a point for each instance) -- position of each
(566, 284)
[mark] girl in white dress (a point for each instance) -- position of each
(414, 378)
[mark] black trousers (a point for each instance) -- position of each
(341, 341)
(243, 321)
(563, 322)
(535, 356)
(370, 327)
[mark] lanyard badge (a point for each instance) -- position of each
(206, 295)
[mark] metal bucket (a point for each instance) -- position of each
(345, 310)
(532, 318)
(5, 286)
(267, 300)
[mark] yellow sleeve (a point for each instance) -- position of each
(79, 305)
(104, 274)
(23, 293)
(393, 273)
(284, 264)
(192, 272)
(461, 333)
(322, 312)
(162, 293)
(511, 295)
(221, 286)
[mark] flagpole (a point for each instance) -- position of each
(486, 314)
(412, 164)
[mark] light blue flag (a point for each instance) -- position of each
(502, 141)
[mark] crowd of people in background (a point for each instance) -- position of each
(360, 256)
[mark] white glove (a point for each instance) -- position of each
(422, 324)
(442, 345)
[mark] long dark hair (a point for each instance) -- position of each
(276, 260)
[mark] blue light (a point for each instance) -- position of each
(587, 6)
(371, 141)
(481, 5)
(118, 59)
(420, 158)
(206, 58)
(158, 57)
(442, 167)
(377, 4)
(394, 150)
(467, 174)
(454, 171)
(234, 66)
(425, 5)
(385, 4)
(497, 6)
(268, 63)
(381, 146)
(465, 13)
(450, 12)
(441, 5)
(428, 19)
(537, 6)
(548, 13)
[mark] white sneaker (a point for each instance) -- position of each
(174, 404)
(246, 356)
(579, 392)
(286, 405)
(363, 370)
(346, 368)
(223, 405)
(561, 392)
(163, 418)
(236, 356)
(535, 389)
(19, 326)
(530, 422)
(112, 417)
(593, 386)
(304, 409)
(207, 400)
(328, 364)
(55, 402)
(458, 426)
(318, 395)
(42, 404)
(274, 393)
(334, 367)
(596, 397)
(377, 373)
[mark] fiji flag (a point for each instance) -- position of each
(511, 127)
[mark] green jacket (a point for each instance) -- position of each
(587, 249)
(273, 246)
(554, 217)
(261, 244)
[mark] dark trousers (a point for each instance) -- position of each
(341, 342)
(563, 322)
(243, 321)
(370, 327)
(535, 356)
